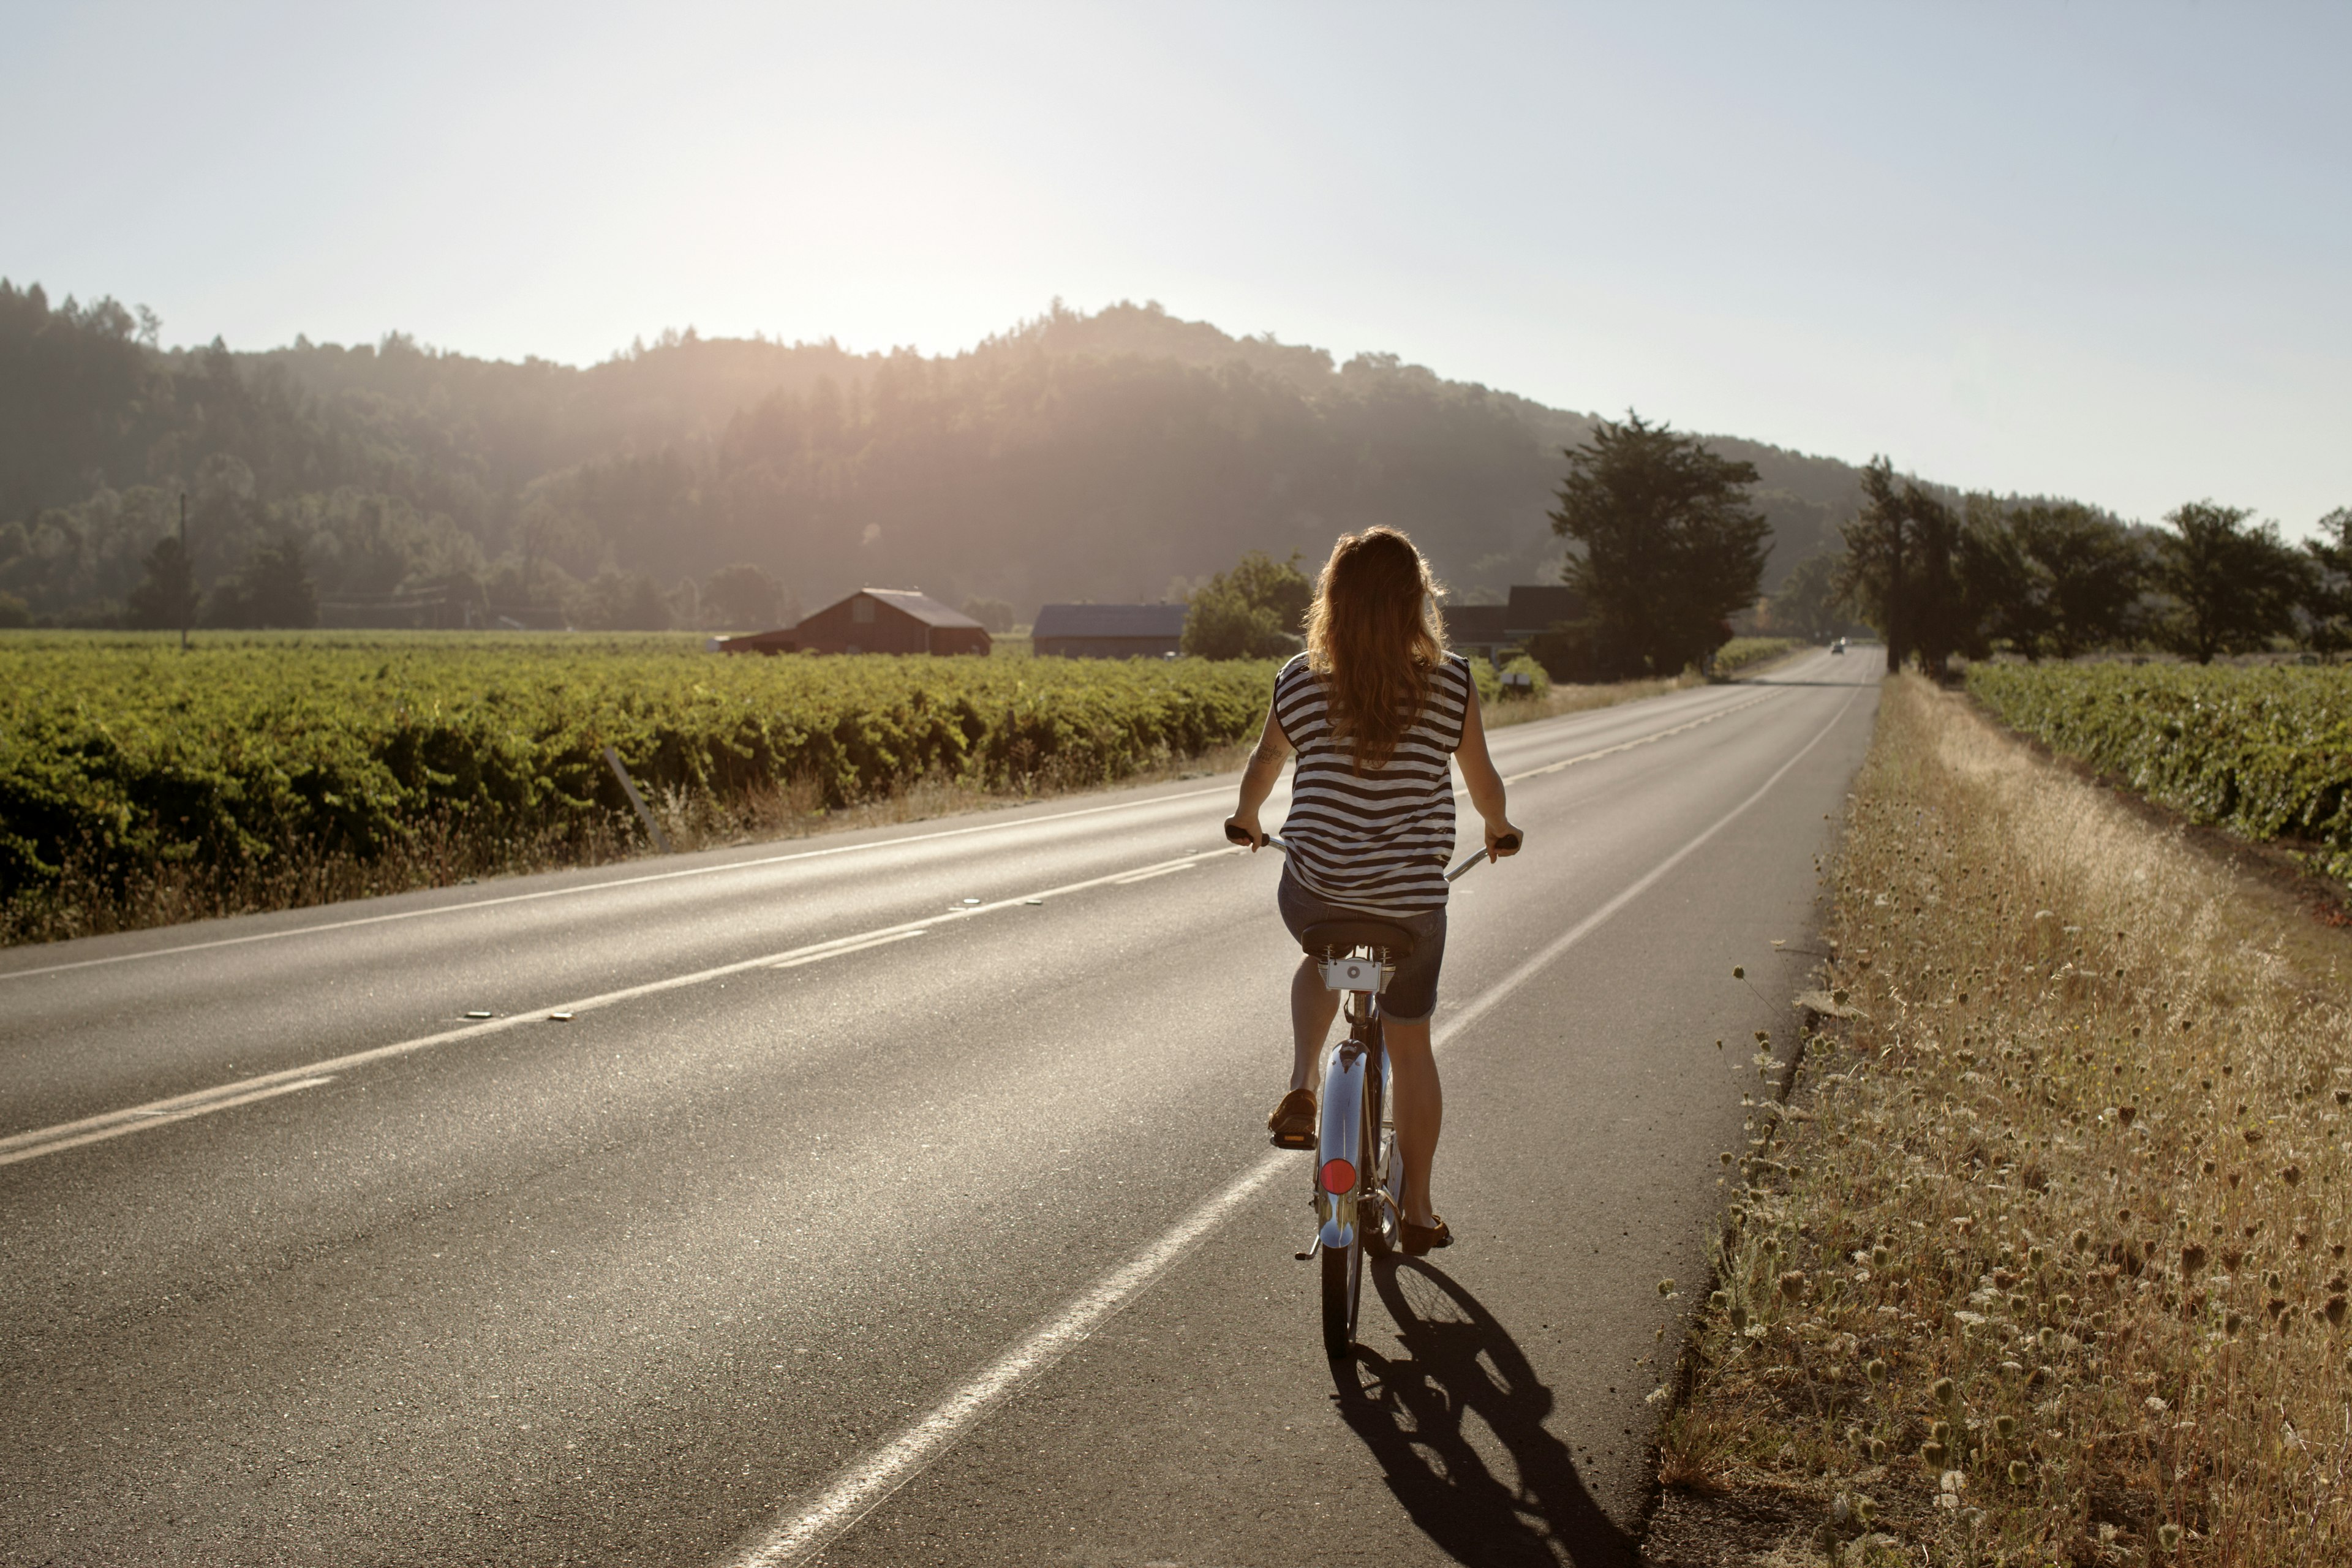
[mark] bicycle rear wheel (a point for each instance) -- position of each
(1343, 1267)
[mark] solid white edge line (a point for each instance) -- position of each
(756, 864)
(862, 1488)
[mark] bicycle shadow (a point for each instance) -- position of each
(1412, 1410)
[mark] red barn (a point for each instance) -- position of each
(873, 620)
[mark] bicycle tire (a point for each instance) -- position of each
(1343, 1288)
(1376, 1209)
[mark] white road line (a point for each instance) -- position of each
(1638, 741)
(161, 1112)
(1157, 871)
(159, 1118)
(852, 947)
(606, 886)
(859, 1489)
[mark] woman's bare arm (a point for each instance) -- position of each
(1258, 779)
(1484, 785)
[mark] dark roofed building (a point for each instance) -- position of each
(1108, 631)
(1487, 629)
(873, 620)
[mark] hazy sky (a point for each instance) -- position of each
(2099, 250)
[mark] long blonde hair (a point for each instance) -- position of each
(1374, 639)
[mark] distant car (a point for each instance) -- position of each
(1838, 646)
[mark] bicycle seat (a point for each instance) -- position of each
(1344, 936)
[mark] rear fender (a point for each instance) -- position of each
(1341, 1137)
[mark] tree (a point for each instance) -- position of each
(2004, 596)
(1670, 546)
(2234, 587)
(274, 589)
(744, 597)
(616, 600)
(165, 598)
(1254, 611)
(993, 614)
(2328, 593)
(1877, 549)
(1809, 605)
(2089, 569)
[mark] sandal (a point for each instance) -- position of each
(1420, 1239)
(1293, 1121)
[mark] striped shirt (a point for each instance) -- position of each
(1377, 840)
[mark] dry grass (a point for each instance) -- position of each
(2044, 1262)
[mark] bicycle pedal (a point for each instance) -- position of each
(1312, 1248)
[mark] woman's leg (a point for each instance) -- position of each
(1313, 1005)
(1420, 1110)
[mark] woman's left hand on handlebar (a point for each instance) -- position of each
(1243, 829)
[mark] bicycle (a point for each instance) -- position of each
(1357, 957)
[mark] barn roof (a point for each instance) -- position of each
(927, 610)
(1109, 621)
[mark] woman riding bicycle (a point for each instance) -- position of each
(1372, 710)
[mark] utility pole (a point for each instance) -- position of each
(187, 564)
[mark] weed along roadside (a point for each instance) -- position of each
(2043, 1259)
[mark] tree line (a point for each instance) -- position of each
(1098, 455)
(1940, 575)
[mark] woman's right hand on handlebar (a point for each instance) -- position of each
(1503, 840)
(1242, 829)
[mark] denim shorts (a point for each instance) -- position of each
(1412, 994)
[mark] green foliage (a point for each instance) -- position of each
(1670, 547)
(1492, 689)
(2032, 577)
(1741, 653)
(2265, 751)
(1809, 605)
(1257, 610)
(1538, 680)
(2086, 571)
(123, 752)
(2234, 587)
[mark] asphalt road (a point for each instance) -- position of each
(902, 1197)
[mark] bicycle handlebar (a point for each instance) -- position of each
(1508, 843)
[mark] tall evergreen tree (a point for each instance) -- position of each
(1874, 576)
(1669, 546)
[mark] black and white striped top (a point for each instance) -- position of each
(1375, 841)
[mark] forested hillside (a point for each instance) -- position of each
(1078, 456)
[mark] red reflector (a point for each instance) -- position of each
(1339, 1177)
